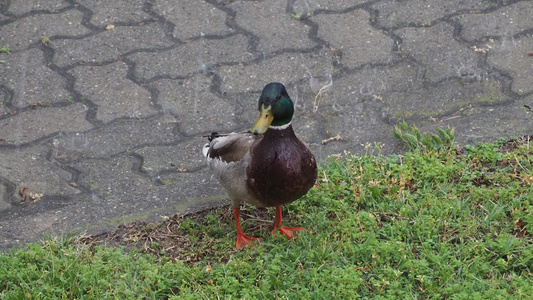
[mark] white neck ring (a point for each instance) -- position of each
(280, 127)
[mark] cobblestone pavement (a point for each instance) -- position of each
(103, 104)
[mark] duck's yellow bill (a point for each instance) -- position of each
(264, 120)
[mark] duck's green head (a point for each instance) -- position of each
(275, 107)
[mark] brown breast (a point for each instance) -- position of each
(282, 168)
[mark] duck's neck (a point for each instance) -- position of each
(276, 132)
(280, 127)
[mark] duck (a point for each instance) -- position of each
(269, 166)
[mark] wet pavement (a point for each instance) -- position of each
(103, 104)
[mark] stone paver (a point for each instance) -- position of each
(103, 104)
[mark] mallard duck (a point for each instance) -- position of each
(267, 167)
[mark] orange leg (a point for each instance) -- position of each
(242, 239)
(287, 231)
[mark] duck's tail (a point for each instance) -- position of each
(205, 149)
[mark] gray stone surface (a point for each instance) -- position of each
(103, 104)
(32, 81)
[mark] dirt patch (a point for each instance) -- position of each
(188, 238)
(512, 145)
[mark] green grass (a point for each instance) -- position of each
(452, 222)
(411, 137)
(4, 50)
(45, 39)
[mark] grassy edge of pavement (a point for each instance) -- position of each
(435, 222)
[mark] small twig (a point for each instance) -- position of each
(325, 179)
(22, 193)
(170, 248)
(518, 162)
(447, 119)
(319, 94)
(335, 138)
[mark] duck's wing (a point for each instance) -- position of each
(228, 157)
(229, 148)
